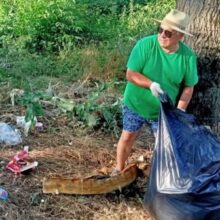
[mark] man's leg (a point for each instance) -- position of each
(124, 148)
(127, 139)
(132, 122)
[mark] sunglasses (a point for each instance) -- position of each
(167, 33)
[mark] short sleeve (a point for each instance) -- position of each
(136, 59)
(191, 76)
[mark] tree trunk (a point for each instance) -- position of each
(205, 26)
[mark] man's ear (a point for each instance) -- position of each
(181, 36)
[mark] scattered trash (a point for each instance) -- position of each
(20, 163)
(3, 194)
(26, 125)
(39, 126)
(9, 135)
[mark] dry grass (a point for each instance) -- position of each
(63, 152)
(102, 64)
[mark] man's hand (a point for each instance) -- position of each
(155, 89)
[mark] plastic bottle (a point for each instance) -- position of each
(3, 194)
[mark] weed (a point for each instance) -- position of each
(31, 101)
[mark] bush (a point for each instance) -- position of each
(51, 25)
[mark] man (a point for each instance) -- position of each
(156, 64)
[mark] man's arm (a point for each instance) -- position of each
(185, 98)
(144, 82)
(138, 79)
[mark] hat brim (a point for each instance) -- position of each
(174, 27)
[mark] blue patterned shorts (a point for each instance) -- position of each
(133, 122)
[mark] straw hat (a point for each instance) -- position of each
(176, 20)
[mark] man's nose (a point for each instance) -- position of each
(163, 35)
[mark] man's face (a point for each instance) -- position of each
(168, 38)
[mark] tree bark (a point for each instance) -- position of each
(205, 26)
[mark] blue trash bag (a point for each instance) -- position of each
(184, 182)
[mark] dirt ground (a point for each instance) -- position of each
(61, 149)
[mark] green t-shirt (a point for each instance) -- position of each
(169, 70)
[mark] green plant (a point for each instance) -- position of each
(47, 25)
(31, 101)
(100, 110)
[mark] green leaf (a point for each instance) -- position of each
(64, 104)
(108, 116)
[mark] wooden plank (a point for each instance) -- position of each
(90, 185)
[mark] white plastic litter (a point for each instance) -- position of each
(21, 123)
(9, 135)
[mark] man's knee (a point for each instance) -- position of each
(128, 136)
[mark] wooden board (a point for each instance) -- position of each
(90, 185)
